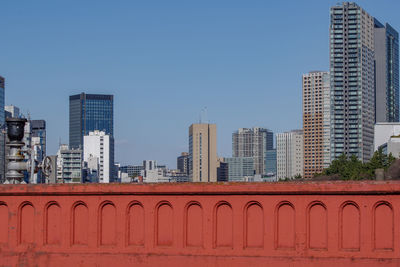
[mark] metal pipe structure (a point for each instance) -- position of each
(16, 164)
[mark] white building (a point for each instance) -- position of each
(99, 144)
(383, 131)
(289, 154)
(69, 165)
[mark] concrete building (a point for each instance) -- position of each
(352, 81)
(386, 73)
(12, 111)
(99, 144)
(289, 154)
(253, 142)
(240, 168)
(383, 131)
(270, 164)
(203, 152)
(69, 165)
(183, 163)
(132, 170)
(87, 113)
(316, 122)
(392, 146)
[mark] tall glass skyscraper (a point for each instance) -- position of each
(352, 81)
(87, 113)
(386, 73)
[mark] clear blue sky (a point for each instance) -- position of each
(166, 60)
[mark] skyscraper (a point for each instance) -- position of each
(386, 73)
(87, 113)
(316, 122)
(203, 152)
(352, 81)
(289, 154)
(39, 130)
(2, 135)
(253, 143)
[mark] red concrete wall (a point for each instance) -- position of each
(255, 224)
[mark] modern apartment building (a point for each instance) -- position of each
(352, 81)
(69, 165)
(87, 113)
(316, 122)
(100, 145)
(203, 152)
(289, 154)
(240, 168)
(253, 142)
(386, 73)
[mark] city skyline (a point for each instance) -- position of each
(255, 76)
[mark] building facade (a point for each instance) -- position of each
(386, 73)
(316, 122)
(289, 154)
(69, 165)
(270, 163)
(11, 111)
(38, 128)
(253, 143)
(87, 113)
(183, 163)
(352, 81)
(240, 168)
(203, 152)
(100, 145)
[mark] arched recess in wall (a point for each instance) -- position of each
(193, 225)
(26, 223)
(135, 224)
(317, 226)
(253, 225)
(349, 226)
(383, 226)
(79, 224)
(107, 224)
(285, 226)
(164, 223)
(223, 225)
(52, 223)
(4, 222)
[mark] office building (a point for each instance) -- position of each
(289, 154)
(38, 128)
(11, 111)
(253, 143)
(100, 145)
(132, 170)
(222, 170)
(87, 113)
(183, 163)
(386, 73)
(352, 81)
(316, 122)
(69, 165)
(240, 168)
(203, 152)
(270, 163)
(383, 131)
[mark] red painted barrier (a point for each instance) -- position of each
(252, 224)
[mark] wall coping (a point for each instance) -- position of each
(252, 188)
